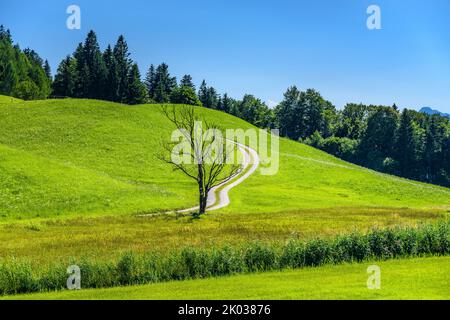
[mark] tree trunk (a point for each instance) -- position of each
(203, 202)
(203, 195)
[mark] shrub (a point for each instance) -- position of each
(196, 263)
(226, 261)
(350, 248)
(259, 257)
(17, 277)
(317, 252)
(293, 255)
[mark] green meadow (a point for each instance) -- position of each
(91, 158)
(76, 175)
(419, 278)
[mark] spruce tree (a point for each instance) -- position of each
(150, 82)
(186, 81)
(203, 93)
(21, 72)
(82, 80)
(123, 61)
(112, 78)
(435, 135)
(163, 85)
(408, 145)
(137, 93)
(9, 76)
(285, 112)
(96, 69)
(226, 103)
(47, 70)
(65, 83)
(208, 96)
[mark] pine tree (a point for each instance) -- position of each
(9, 76)
(445, 156)
(203, 93)
(82, 80)
(112, 78)
(137, 93)
(21, 72)
(93, 59)
(47, 70)
(435, 135)
(186, 81)
(226, 103)
(208, 96)
(65, 83)
(408, 145)
(150, 82)
(286, 113)
(5, 35)
(163, 85)
(123, 61)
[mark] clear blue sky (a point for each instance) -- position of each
(262, 47)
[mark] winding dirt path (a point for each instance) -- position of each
(218, 196)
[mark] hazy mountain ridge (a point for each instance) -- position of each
(431, 111)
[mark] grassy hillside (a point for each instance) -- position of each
(8, 100)
(421, 278)
(61, 157)
(74, 174)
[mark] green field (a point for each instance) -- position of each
(90, 158)
(74, 174)
(421, 278)
(9, 100)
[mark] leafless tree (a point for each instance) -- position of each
(207, 154)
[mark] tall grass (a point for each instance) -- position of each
(192, 263)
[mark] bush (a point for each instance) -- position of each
(27, 90)
(350, 248)
(293, 255)
(259, 257)
(343, 148)
(17, 277)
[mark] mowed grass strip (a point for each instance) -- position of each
(419, 278)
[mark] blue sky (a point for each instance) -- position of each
(262, 47)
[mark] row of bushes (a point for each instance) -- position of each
(190, 263)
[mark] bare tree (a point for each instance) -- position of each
(205, 159)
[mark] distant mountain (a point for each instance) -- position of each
(429, 110)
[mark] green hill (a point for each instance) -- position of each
(8, 100)
(75, 173)
(61, 157)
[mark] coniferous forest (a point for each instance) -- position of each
(402, 142)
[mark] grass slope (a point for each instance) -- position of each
(74, 174)
(420, 278)
(9, 100)
(112, 148)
